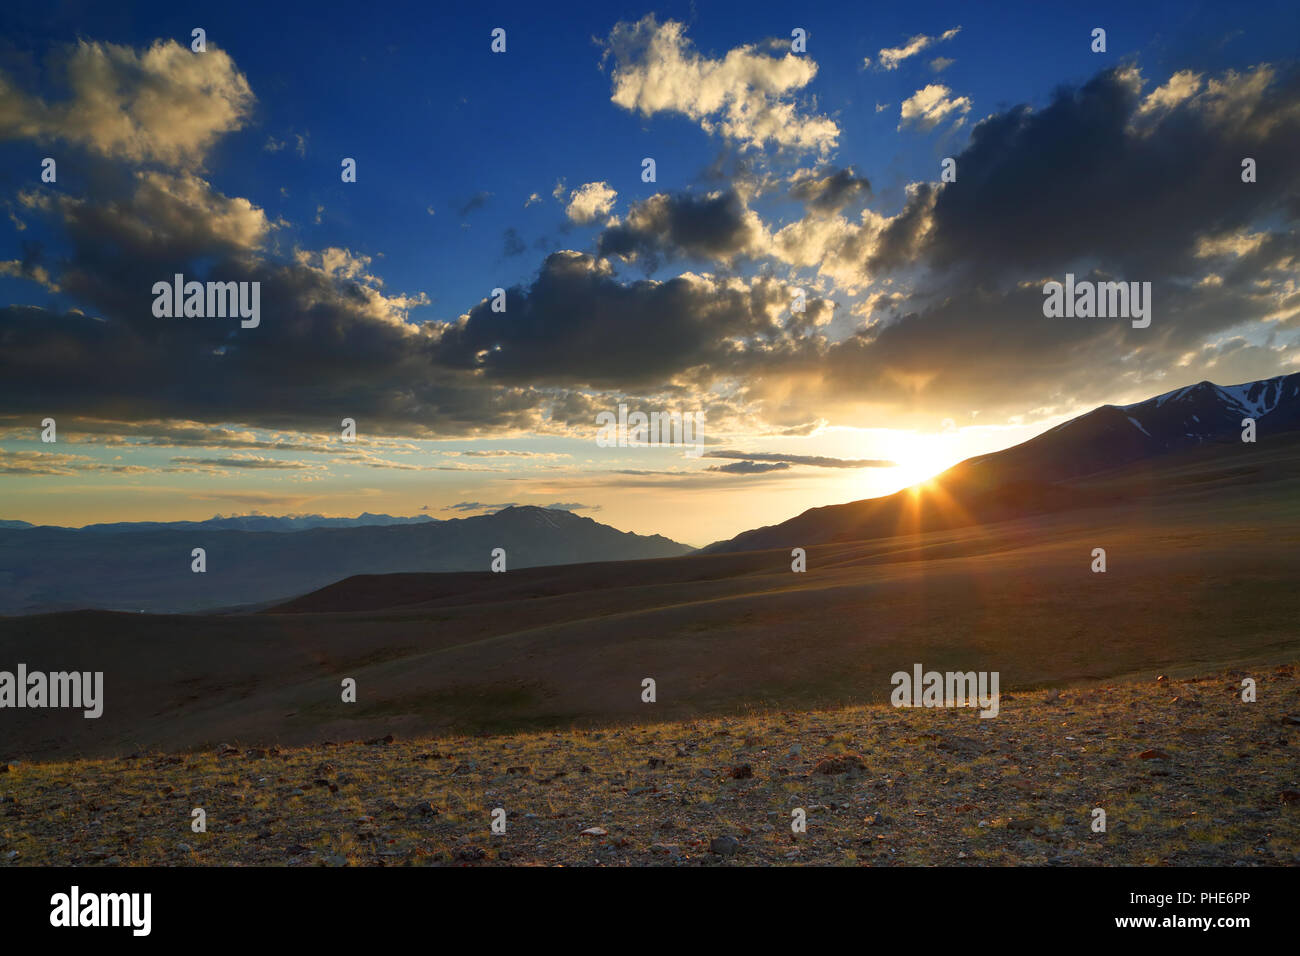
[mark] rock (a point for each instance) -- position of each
(518, 770)
(470, 854)
(655, 762)
(665, 849)
(225, 750)
(595, 832)
(1153, 755)
(743, 772)
(725, 845)
(1022, 826)
(1290, 796)
(424, 808)
(386, 739)
(844, 763)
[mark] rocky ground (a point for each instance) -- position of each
(1186, 773)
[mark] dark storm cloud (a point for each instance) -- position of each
(577, 324)
(1104, 174)
(717, 227)
(1110, 181)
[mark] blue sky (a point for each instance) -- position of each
(468, 162)
(434, 119)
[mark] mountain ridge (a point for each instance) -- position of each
(1046, 470)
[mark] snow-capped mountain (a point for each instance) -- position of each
(1209, 412)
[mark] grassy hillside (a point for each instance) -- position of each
(1201, 574)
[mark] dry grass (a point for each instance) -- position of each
(935, 787)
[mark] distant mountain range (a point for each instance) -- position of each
(1050, 471)
(239, 523)
(138, 568)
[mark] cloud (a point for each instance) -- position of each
(243, 461)
(164, 104)
(37, 463)
(576, 325)
(744, 97)
(479, 506)
(589, 202)
(890, 58)
(716, 227)
(474, 203)
(572, 506)
(830, 192)
(508, 453)
(928, 107)
(816, 461)
(514, 244)
(749, 467)
(941, 63)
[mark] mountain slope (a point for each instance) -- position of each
(1050, 471)
(45, 569)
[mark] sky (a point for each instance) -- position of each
(798, 271)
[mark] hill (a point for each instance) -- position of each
(45, 569)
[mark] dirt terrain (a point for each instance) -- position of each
(1186, 772)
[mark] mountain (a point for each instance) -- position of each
(46, 569)
(1052, 471)
(241, 523)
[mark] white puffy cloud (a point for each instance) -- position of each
(745, 96)
(928, 107)
(589, 202)
(164, 105)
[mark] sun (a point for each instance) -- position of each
(920, 458)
